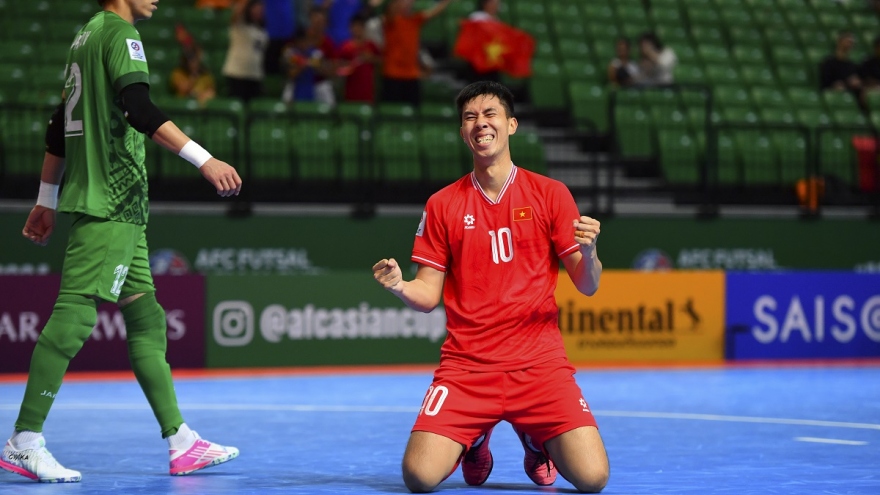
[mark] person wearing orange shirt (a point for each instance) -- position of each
(401, 71)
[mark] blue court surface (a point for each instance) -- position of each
(757, 430)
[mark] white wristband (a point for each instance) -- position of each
(194, 153)
(48, 195)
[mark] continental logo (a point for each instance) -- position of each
(641, 325)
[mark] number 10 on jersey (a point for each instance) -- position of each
(502, 245)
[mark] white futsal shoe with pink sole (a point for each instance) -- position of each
(200, 454)
(34, 461)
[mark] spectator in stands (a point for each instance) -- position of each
(657, 62)
(487, 11)
(192, 79)
(837, 72)
(359, 56)
(243, 67)
(339, 17)
(301, 60)
(870, 69)
(316, 32)
(401, 61)
(622, 71)
(280, 25)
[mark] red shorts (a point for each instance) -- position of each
(543, 401)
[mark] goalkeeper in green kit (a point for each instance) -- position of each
(96, 135)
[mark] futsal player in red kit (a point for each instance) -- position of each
(490, 245)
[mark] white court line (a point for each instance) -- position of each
(408, 409)
(830, 440)
(739, 419)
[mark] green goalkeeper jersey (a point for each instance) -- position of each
(105, 174)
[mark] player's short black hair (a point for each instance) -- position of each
(485, 88)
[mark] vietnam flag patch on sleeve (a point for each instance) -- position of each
(524, 213)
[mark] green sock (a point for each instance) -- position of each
(145, 331)
(71, 323)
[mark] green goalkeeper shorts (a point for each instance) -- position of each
(106, 259)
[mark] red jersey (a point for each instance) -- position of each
(359, 85)
(501, 261)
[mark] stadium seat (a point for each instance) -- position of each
(634, 131)
(442, 149)
(397, 151)
(527, 152)
(589, 105)
(679, 156)
(314, 150)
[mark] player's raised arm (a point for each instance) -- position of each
(583, 266)
(145, 117)
(421, 294)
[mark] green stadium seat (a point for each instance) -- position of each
(359, 113)
(787, 54)
(679, 156)
(727, 169)
(802, 97)
(757, 75)
(574, 50)
(702, 16)
(837, 156)
(397, 150)
(749, 54)
(632, 13)
(570, 30)
(714, 54)
(270, 106)
(707, 34)
(833, 21)
(849, 117)
(353, 144)
(22, 132)
(438, 112)
(547, 86)
(767, 96)
(813, 117)
(596, 13)
(527, 152)
(740, 115)
(779, 36)
(314, 150)
(771, 115)
(745, 36)
(442, 150)
(838, 100)
(758, 158)
(589, 106)
(673, 35)
(736, 16)
(689, 74)
(669, 118)
(634, 131)
(559, 12)
(721, 74)
(793, 154)
(395, 111)
(581, 70)
(666, 16)
(793, 75)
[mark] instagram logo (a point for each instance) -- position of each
(233, 323)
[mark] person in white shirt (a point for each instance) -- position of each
(657, 62)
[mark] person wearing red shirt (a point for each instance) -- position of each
(359, 56)
(490, 245)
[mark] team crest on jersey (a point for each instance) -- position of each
(421, 231)
(469, 221)
(136, 50)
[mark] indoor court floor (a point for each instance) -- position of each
(685, 431)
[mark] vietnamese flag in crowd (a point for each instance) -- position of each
(495, 46)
